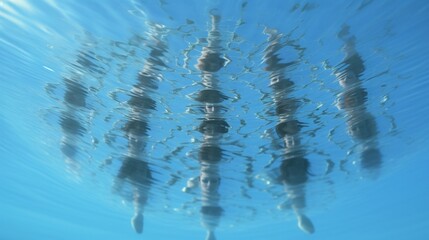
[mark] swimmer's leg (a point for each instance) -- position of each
(139, 202)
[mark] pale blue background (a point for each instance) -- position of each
(40, 200)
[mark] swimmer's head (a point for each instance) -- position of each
(210, 96)
(209, 182)
(362, 126)
(353, 98)
(213, 127)
(210, 62)
(288, 128)
(347, 78)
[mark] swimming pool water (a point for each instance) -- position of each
(86, 84)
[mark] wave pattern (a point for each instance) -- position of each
(212, 121)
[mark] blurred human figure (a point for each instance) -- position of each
(135, 168)
(294, 166)
(361, 124)
(213, 126)
(74, 101)
(211, 60)
(138, 174)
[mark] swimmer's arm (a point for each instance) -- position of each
(191, 184)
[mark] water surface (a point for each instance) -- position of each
(85, 84)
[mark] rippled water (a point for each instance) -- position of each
(241, 119)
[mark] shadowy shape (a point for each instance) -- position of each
(294, 166)
(74, 102)
(134, 169)
(213, 126)
(361, 124)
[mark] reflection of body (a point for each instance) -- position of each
(294, 166)
(209, 179)
(135, 170)
(361, 124)
(211, 60)
(212, 128)
(74, 101)
(209, 156)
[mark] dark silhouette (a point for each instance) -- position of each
(135, 168)
(213, 126)
(74, 101)
(361, 124)
(294, 166)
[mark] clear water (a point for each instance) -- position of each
(42, 196)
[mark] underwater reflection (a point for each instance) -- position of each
(212, 126)
(361, 124)
(74, 102)
(135, 174)
(294, 166)
(135, 168)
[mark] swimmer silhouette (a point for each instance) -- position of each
(74, 101)
(210, 60)
(294, 167)
(213, 126)
(361, 124)
(135, 169)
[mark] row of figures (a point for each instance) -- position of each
(212, 127)
(294, 167)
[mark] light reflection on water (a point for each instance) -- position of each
(281, 117)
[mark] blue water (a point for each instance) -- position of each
(43, 197)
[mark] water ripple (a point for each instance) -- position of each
(217, 116)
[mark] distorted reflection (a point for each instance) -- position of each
(74, 103)
(134, 179)
(135, 169)
(213, 126)
(361, 124)
(294, 166)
